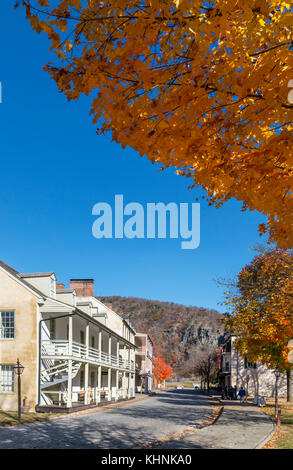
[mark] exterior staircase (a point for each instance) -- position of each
(56, 375)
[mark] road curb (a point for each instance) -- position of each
(269, 436)
(88, 411)
(111, 406)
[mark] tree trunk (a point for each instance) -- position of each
(289, 385)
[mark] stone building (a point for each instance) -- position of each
(256, 378)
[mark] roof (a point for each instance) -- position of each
(17, 275)
(145, 334)
(36, 274)
(228, 336)
(65, 291)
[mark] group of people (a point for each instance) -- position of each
(232, 393)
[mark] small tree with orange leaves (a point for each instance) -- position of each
(161, 370)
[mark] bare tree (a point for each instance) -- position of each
(203, 360)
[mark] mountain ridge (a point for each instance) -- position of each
(174, 328)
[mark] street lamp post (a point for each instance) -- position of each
(277, 375)
(18, 369)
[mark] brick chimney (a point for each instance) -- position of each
(60, 285)
(83, 287)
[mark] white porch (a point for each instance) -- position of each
(97, 369)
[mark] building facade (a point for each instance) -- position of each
(144, 363)
(255, 378)
(76, 351)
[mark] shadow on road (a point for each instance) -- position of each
(131, 426)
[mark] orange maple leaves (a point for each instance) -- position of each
(200, 88)
(161, 370)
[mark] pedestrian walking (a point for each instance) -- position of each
(242, 394)
(231, 393)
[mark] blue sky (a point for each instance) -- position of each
(54, 168)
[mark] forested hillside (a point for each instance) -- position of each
(175, 329)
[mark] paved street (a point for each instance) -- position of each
(131, 426)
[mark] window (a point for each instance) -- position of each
(52, 328)
(6, 324)
(93, 341)
(6, 378)
(249, 365)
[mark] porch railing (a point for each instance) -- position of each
(51, 348)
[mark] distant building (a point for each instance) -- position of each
(144, 363)
(255, 378)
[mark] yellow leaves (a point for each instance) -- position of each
(202, 89)
(261, 21)
(68, 45)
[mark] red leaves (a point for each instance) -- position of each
(161, 370)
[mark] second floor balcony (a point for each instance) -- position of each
(61, 349)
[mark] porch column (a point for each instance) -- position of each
(110, 348)
(117, 353)
(125, 355)
(100, 342)
(133, 370)
(99, 384)
(86, 368)
(123, 385)
(109, 384)
(117, 385)
(69, 376)
(117, 371)
(129, 385)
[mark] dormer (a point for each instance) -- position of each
(68, 296)
(99, 316)
(85, 307)
(45, 282)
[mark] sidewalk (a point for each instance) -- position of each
(238, 427)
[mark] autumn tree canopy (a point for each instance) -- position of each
(198, 86)
(262, 309)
